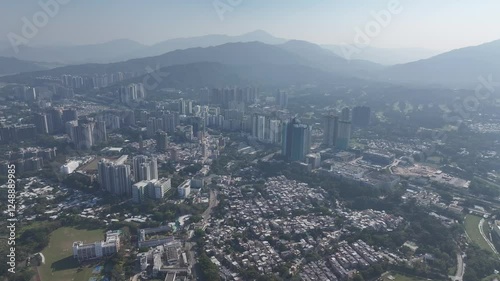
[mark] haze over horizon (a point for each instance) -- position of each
(449, 24)
(250, 140)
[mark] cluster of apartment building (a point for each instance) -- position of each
(132, 92)
(47, 154)
(153, 189)
(94, 81)
(117, 177)
(23, 165)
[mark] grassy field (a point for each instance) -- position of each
(452, 270)
(399, 277)
(492, 277)
(59, 263)
(471, 226)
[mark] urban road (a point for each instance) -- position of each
(212, 203)
(481, 230)
(460, 269)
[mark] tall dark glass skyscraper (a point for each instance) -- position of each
(361, 116)
(281, 99)
(330, 130)
(344, 132)
(296, 140)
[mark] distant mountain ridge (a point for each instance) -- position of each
(250, 53)
(207, 41)
(326, 59)
(75, 54)
(457, 68)
(125, 49)
(13, 66)
(387, 56)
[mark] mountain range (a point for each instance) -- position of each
(13, 65)
(124, 49)
(290, 53)
(386, 56)
(457, 68)
(104, 52)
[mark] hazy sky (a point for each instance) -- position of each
(432, 24)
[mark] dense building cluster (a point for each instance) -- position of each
(264, 228)
(372, 219)
(346, 262)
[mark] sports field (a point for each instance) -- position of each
(59, 263)
(472, 229)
